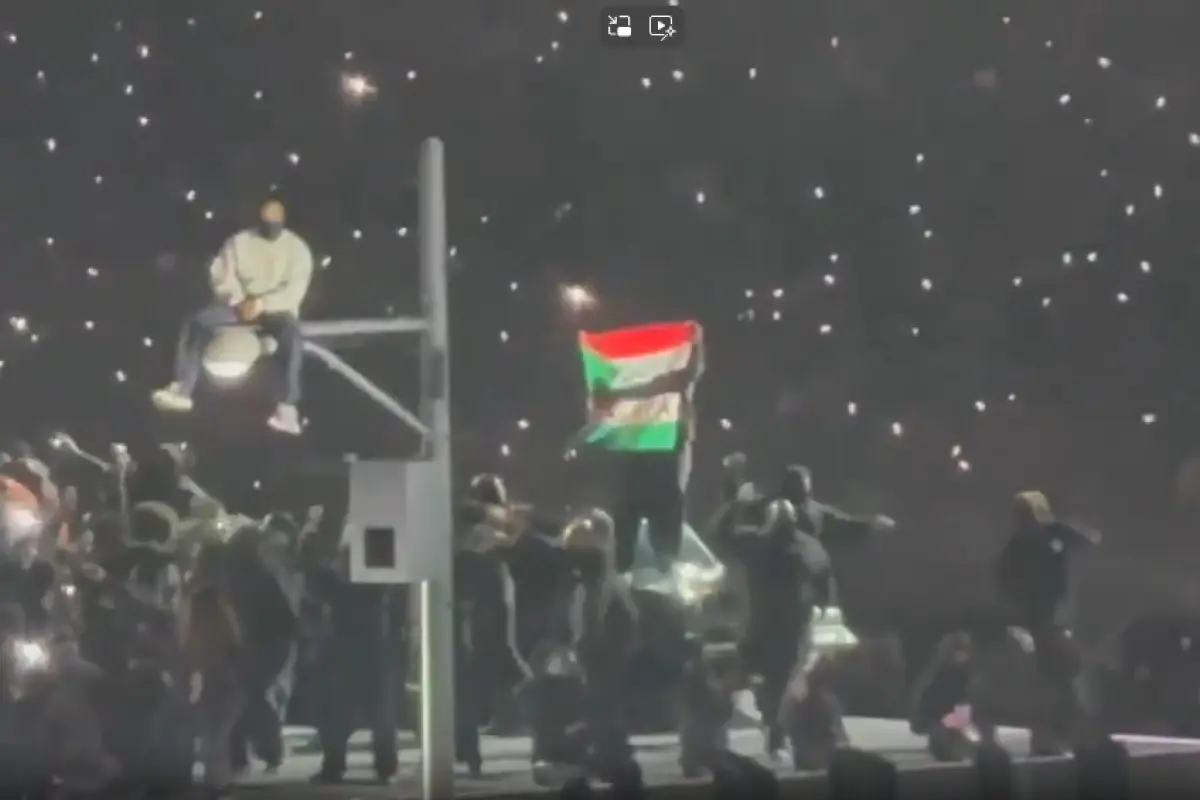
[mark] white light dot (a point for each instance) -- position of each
(1104, 63)
(523, 424)
(852, 408)
(897, 429)
(402, 232)
(963, 465)
(504, 336)
(726, 424)
(646, 83)
(830, 279)
(120, 376)
(819, 192)
(926, 284)
(777, 293)
(920, 159)
(1122, 298)
(1145, 267)
(1017, 281)
(677, 75)
(980, 406)
(1149, 419)
(505, 450)
(1158, 190)
(913, 210)
(956, 451)
(1064, 99)
(147, 342)
(1160, 103)
(753, 73)
(700, 198)
(825, 329)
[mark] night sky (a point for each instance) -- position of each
(943, 251)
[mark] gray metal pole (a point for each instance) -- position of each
(437, 596)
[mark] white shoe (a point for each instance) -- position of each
(171, 399)
(285, 420)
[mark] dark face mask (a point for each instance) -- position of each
(270, 230)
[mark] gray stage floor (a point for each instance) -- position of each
(507, 762)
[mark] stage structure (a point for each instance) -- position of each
(400, 524)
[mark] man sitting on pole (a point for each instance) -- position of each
(259, 278)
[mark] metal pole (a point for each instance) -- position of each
(437, 612)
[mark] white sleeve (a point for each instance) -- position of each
(222, 274)
(289, 295)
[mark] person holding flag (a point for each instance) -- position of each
(641, 384)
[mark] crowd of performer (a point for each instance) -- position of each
(140, 616)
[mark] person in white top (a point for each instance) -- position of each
(260, 277)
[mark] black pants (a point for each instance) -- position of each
(259, 729)
(358, 686)
(470, 686)
(651, 486)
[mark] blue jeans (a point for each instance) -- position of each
(202, 327)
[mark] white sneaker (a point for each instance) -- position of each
(171, 399)
(285, 420)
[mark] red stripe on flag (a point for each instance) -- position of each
(640, 340)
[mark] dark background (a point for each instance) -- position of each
(845, 152)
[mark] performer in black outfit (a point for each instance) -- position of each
(1032, 580)
(1033, 577)
(822, 520)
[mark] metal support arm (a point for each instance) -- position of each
(367, 387)
(341, 328)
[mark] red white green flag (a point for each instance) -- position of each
(630, 357)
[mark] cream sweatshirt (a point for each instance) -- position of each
(276, 271)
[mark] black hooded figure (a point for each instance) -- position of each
(482, 588)
(362, 666)
(1032, 575)
(605, 622)
(1033, 578)
(826, 522)
(789, 576)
